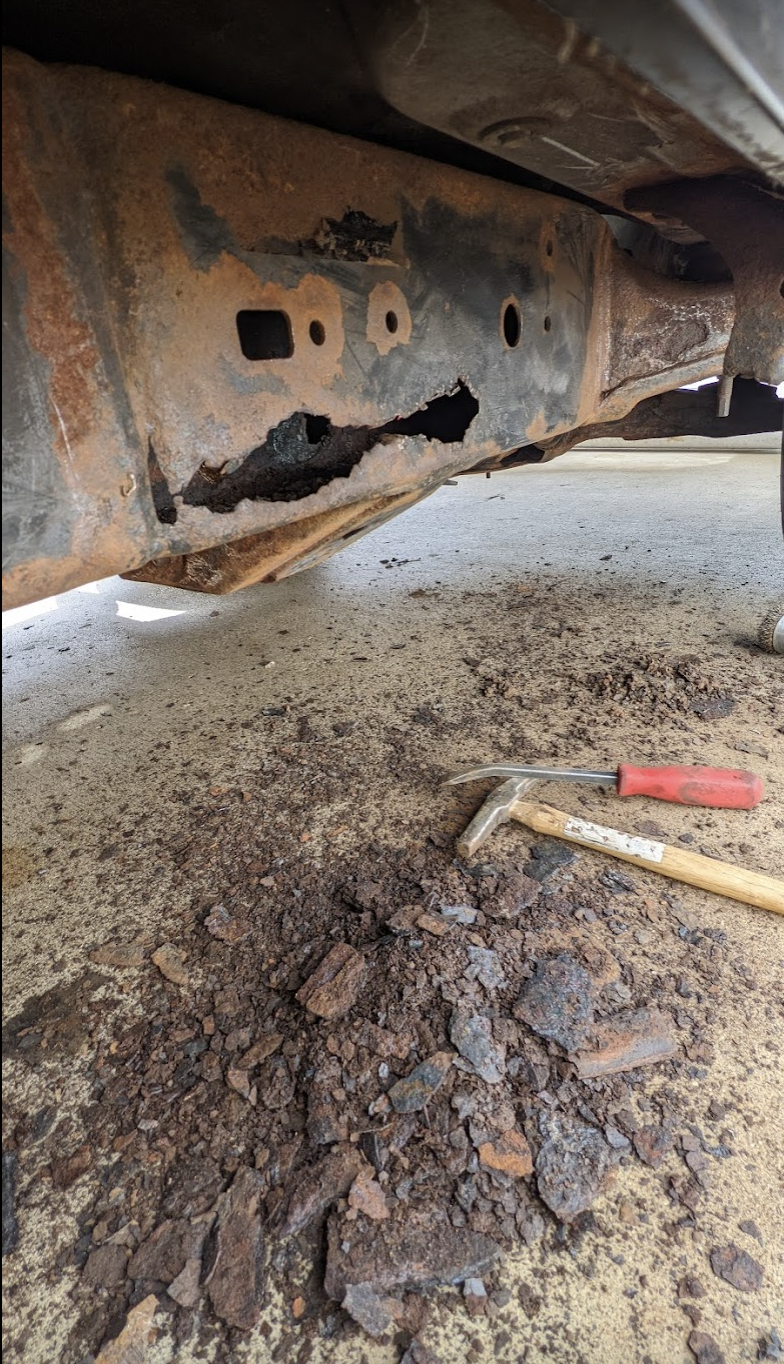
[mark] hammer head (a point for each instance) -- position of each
(493, 812)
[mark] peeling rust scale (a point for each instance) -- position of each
(237, 342)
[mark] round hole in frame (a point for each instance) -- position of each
(391, 322)
(317, 333)
(511, 325)
(547, 323)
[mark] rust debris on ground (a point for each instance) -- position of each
(408, 1105)
(356, 1081)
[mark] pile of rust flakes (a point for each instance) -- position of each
(373, 1086)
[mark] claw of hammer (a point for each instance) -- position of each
(493, 812)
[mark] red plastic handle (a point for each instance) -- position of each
(726, 788)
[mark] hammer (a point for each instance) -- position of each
(507, 802)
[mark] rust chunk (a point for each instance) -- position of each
(333, 987)
(171, 964)
(737, 1267)
(121, 955)
(367, 1196)
(135, 1336)
(652, 1144)
(235, 1283)
(573, 1166)
(557, 1001)
(165, 1253)
(412, 1093)
(367, 1308)
(705, 1349)
(510, 1152)
(68, 1169)
(326, 1181)
(420, 1252)
(641, 1037)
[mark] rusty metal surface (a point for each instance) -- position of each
(745, 222)
(722, 61)
(754, 408)
(537, 88)
(432, 319)
(600, 97)
(62, 497)
(650, 328)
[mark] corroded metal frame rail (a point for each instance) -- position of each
(233, 342)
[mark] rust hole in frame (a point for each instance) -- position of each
(306, 451)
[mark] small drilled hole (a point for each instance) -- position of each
(265, 334)
(317, 334)
(547, 324)
(511, 325)
(549, 249)
(391, 321)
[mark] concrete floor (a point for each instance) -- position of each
(108, 685)
(689, 520)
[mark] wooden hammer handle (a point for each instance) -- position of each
(750, 887)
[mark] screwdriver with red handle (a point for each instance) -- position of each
(725, 788)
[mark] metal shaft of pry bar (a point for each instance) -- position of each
(540, 773)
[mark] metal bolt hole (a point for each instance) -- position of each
(511, 325)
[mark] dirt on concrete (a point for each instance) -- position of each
(285, 1079)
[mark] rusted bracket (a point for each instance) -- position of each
(229, 330)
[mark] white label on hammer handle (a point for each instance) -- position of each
(645, 848)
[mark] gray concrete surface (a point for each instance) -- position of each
(763, 443)
(687, 519)
(119, 693)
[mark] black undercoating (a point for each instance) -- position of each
(356, 236)
(162, 499)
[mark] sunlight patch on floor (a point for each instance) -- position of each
(133, 611)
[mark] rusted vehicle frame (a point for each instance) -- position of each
(408, 320)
